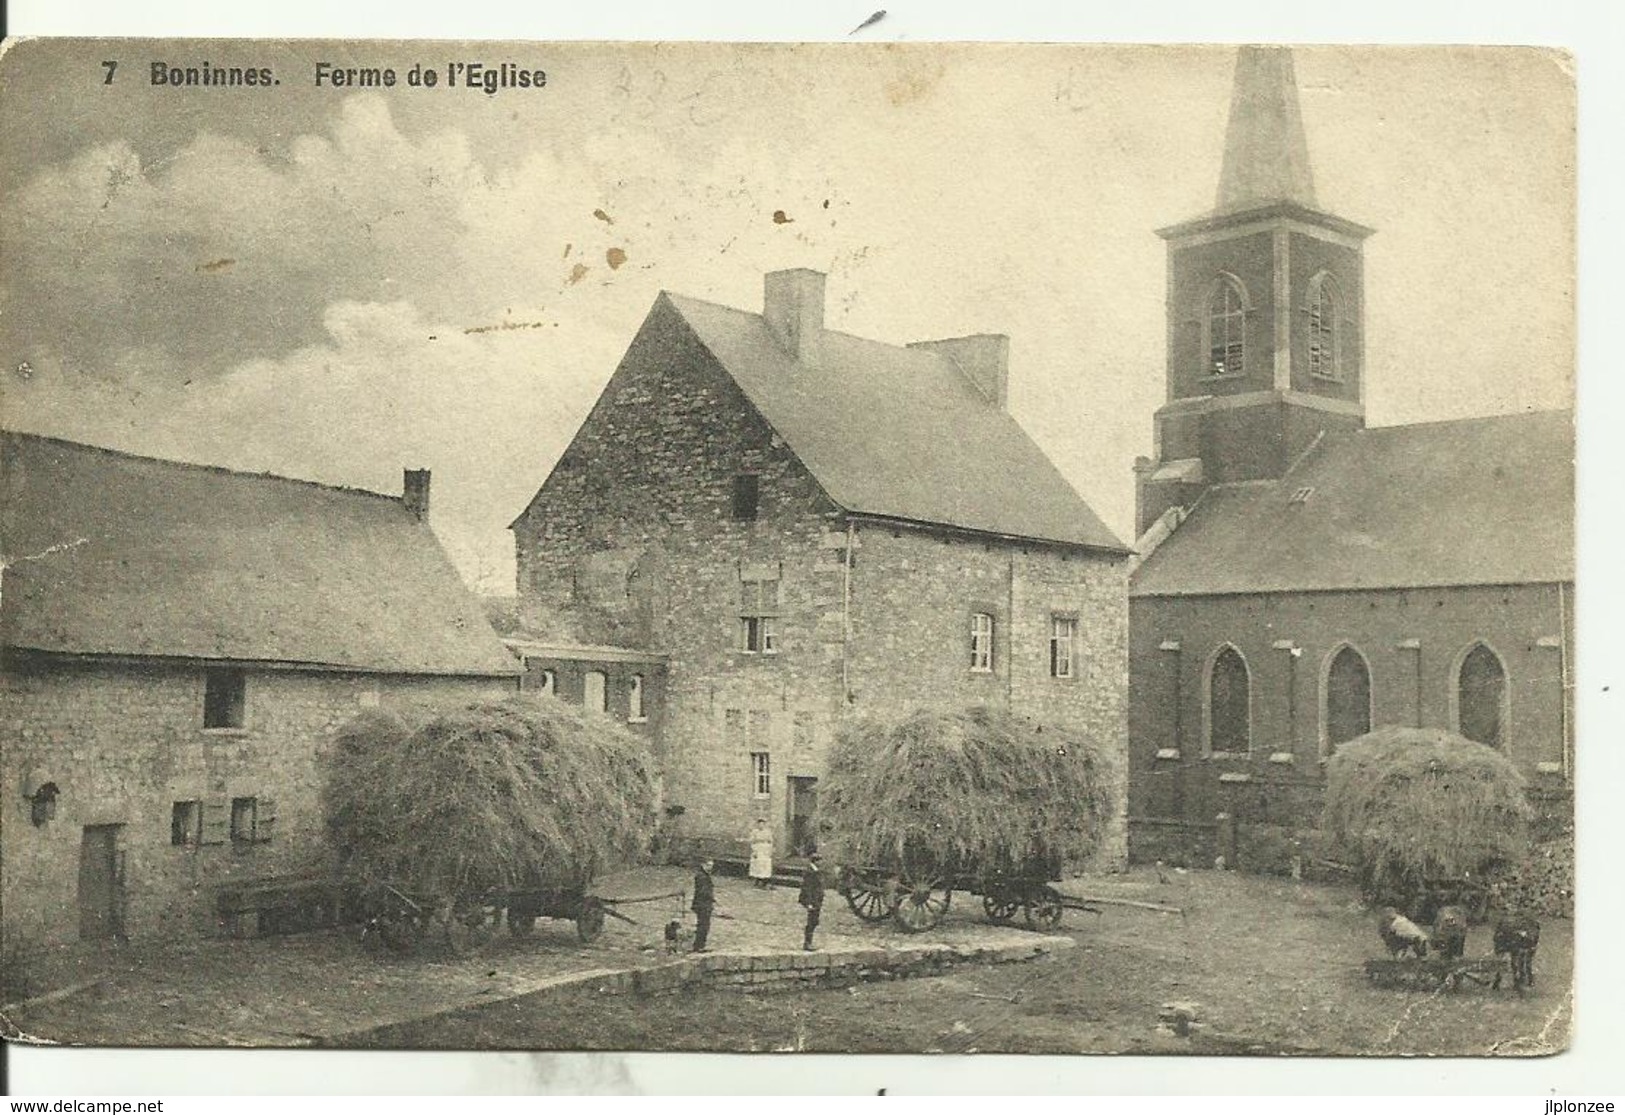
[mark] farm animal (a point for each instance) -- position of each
(1450, 932)
(1516, 937)
(676, 936)
(1400, 934)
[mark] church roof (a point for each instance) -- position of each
(898, 432)
(1468, 502)
(111, 554)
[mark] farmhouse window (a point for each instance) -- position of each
(758, 616)
(761, 769)
(186, 823)
(981, 642)
(1063, 633)
(547, 683)
(746, 496)
(595, 691)
(223, 698)
(252, 820)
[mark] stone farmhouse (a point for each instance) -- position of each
(177, 645)
(803, 523)
(1302, 578)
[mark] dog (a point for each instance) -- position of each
(677, 936)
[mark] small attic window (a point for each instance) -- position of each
(746, 495)
(1301, 495)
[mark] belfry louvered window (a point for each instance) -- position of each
(1323, 332)
(1226, 326)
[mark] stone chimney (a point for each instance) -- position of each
(793, 305)
(983, 357)
(415, 494)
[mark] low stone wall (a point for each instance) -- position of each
(824, 968)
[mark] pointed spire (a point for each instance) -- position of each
(1266, 157)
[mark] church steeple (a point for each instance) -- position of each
(1266, 344)
(1266, 156)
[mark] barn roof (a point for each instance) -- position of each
(112, 554)
(1468, 502)
(898, 433)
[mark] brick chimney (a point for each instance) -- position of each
(983, 357)
(793, 305)
(415, 493)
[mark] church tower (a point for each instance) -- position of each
(1265, 320)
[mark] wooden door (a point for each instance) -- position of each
(803, 815)
(100, 900)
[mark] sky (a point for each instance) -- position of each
(338, 284)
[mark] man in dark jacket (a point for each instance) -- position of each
(812, 897)
(705, 900)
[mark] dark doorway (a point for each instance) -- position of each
(803, 815)
(100, 886)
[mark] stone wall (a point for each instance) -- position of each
(124, 743)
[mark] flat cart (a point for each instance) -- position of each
(402, 921)
(917, 896)
(1434, 973)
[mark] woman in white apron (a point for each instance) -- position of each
(761, 853)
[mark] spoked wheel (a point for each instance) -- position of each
(400, 934)
(922, 905)
(590, 921)
(1043, 908)
(869, 898)
(1000, 907)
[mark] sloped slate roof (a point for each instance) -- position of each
(897, 432)
(159, 558)
(1470, 502)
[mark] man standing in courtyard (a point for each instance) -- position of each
(812, 897)
(705, 901)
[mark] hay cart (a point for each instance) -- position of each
(917, 896)
(402, 921)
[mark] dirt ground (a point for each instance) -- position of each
(318, 987)
(1270, 966)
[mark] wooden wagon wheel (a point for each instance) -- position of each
(1043, 907)
(399, 932)
(590, 920)
(870, 898)
(922, 904)
(999, 906)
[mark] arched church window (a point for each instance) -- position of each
(1323, 329)
(1481, 693)
(1229, 703)
(1226, 325)
(1348, 698)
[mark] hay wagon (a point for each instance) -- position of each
(917, 896)
(402, 921)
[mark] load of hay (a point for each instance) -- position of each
(511, 794)
(961, 791)
(1412, 804)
